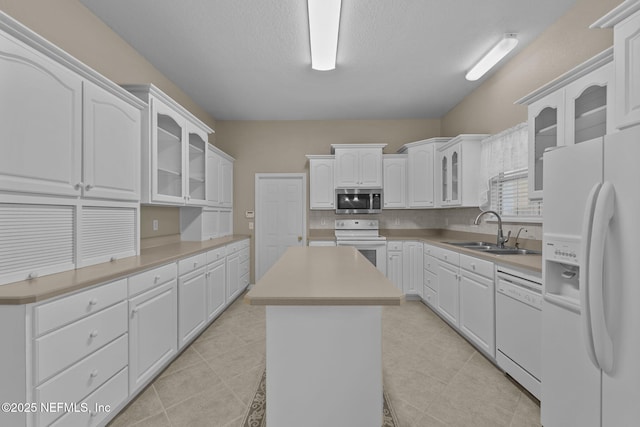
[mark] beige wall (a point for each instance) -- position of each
(74, 28)
(280, 146)
(565, 44)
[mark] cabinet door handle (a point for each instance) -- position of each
(93, 333)
(93, 301)
(93, 373)
(156, 279)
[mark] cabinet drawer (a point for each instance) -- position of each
(394, 246)
(65, 310)
(83, 378)
(244, 281)
(192, 263)
(246, 243)
(111, 393)
(233, 247)
(216, 254)
(430, 296)
(151, 278)
(429, 250)
(431, 280)
(476, 265)
(430, 263)
(447, 255)
(244, 254)
(63, 347)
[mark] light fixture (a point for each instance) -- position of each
(324, 23)
(499, 51)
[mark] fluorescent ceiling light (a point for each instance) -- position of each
(499, 51)
(324, 22)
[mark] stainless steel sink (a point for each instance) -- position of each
(471, 244)
(492, 248)
(511, 251)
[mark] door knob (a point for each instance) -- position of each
(299, 238)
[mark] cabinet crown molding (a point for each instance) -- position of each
(42, 45)
(575, 73)
(437, 140)
(144, 91)
(618, 14)
(338, 146)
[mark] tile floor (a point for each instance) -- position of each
(433, 376)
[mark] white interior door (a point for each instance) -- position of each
(280, 217)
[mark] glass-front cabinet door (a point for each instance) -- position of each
(444, 179)
(196, 166)
(455, 176)
(544, 131)
(168, 161)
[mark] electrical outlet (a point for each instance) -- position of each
(155, 225)
(251, 226)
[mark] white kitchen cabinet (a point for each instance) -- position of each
(153, 324)
(412, 268)
(219, 178)
(394, 168)
(358, 165)
(625, 20)
(430, 276)
(448, 272)
(40, 118)
(459, 171)
(111, 146)
(573, 108)
(421, 171)
(394, 263)
(321, 188)
(173, 155)
(216, 282)
(237, 274)
(477, 303)
(192, 298)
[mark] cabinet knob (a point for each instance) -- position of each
(93, 373)
(195, 264)
(134, 311)
(32, 276)
(78, 186)
(156, 279)
(473, 265)
(93, 333)
(88, 187)
(93, 301)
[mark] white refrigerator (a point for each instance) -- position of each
(591, 270)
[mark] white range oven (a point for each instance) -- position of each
(363, 234)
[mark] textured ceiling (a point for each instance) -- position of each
(249, 59)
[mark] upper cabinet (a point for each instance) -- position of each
(625, 20)
(69, 131)
(421, 171)
(459, 170)
(174, 155)
(321, 188)
(358, 165)
(219, 191)
(394, 168)
(574, 108)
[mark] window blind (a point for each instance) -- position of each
(510, 196)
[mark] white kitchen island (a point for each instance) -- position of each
(324, 337)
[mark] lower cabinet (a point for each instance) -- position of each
(448, 291)
(394, 263)
(192, 298)
(102, 345)
(412, 268)
(152, 332)
(477, 303)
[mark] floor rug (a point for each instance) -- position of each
(256, 414)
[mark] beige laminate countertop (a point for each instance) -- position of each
(437, 237)
(316, 275)
(39, 289)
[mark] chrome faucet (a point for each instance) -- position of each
(500, 239)
(518, 236)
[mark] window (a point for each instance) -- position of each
(510, 197)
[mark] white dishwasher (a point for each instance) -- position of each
(519, 327)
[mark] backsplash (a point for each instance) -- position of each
(458, 219)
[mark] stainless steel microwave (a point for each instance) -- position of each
(358, 200)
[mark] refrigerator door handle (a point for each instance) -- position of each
(603, 213)
(584, 278)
